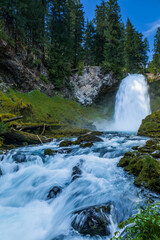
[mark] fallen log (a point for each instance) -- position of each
(13, 119)
(20, 137)
(34, 127)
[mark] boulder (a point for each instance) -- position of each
(54, 192)
(19, 158)
(144, 164)
(93, 220)
(86, 145)
(76, 172)
(67, 143)
(49, 152)
(150, 126)
(89, 138)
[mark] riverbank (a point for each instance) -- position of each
(42, 116)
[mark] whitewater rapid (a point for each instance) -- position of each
(132, 103)
(25, 211)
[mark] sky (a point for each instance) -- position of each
(144, 15)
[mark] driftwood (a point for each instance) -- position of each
(13, 119)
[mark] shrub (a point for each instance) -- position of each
(146, 224)
(44, 78)
(37, 62)
(3, 128)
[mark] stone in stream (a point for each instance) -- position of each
(93, 220)
(1, 172)
(19, 158)
(49, 152)
(54, 192)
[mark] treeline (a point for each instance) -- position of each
(57, 32)
(154, 65)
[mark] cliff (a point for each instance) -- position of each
(22, 70)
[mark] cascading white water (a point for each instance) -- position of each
(132, 103)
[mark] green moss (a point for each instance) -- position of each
(49, 152)
(142, 165)
(150, 125)
(44, 78)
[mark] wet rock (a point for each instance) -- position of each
(49, 152)
(54, 192)
(67, 143)
(64, 151)
(76, 172)
(85, 145)
(93, 221)
(144, 165)
(89, 138)
(16, 168)
(1, 172)
(19, 158)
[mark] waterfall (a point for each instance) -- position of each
(132, 103)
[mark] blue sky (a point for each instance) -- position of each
(144, 14)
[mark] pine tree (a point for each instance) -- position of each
(78, 33)
(101, 24)
(89, 44)
(156, 56)
(145, 55)
(113, 52)
(134, 49)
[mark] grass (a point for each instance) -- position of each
(55, 110)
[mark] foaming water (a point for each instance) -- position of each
(25, 211)
(132, 103)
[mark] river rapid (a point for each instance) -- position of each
(27, 214)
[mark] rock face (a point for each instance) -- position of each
(19, 69)
(93, 221)
(91, 84)
(150, 125)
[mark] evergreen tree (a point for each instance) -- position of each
(135, 50)
(156, 56)
(78, 33)
(145, 55)
(89, 44)
(113, 52)
(101, 25)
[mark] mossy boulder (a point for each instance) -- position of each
(144, 164)
(150, 126)
(68, 143)
(89, 138)
(85, 145)
(49, 152)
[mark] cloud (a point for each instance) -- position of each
(153, 27)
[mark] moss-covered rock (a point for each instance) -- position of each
(150, 125)
(91, 137)
(144, 164)
(68, 143)
(49, 152)
(85, 145)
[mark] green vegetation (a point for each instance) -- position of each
(145, 224)
(56, 33)
(150, 125)
(154, 65)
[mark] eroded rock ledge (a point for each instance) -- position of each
(88, 86)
